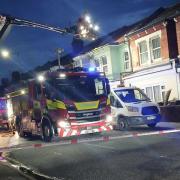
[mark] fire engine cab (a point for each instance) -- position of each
(62, 103)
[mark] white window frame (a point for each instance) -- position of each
(126, 61)
(102, 66)
(143, 53)
(147, 39)
(151, 49)
(153, 94)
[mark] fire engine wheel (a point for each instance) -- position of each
(47, 132)
(122, 124)
(20, 130)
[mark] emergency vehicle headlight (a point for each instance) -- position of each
(22, 91)
(109, 118)
(41, 78)
(132, 109)
(63, 124)
(62, 75)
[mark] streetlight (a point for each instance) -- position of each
(59, 52)
(5, 53)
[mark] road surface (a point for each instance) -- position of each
(146, 157)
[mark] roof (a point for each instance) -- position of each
(160, 15)
(107, 39)
(157, 16)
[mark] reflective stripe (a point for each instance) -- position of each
(55, 104)
(108, 101)
(87, 105)
(75, 112)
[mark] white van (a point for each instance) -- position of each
(130, 106)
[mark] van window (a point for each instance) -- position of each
(131, 95)
(114, 102)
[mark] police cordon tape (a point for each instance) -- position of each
(104, 138)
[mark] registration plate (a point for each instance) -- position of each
(151, 117)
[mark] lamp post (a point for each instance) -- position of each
(59, 52)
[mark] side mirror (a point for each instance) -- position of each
(107, 86)
(118, 104)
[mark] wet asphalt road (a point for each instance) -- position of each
(149, 158)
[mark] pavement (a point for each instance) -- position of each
(150, 156)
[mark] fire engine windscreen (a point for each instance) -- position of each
(76, 88)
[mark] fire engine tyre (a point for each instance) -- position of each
(20, 130)
(47, 132)
(152, 125)
(122, 124)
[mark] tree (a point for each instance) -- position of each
(15, 77)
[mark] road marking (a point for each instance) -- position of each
(57, 153)
(100, 146)
(75, 140)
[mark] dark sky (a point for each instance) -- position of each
(32, 47)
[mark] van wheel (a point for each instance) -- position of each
(47, 132)
(122, 124)
(152, 125)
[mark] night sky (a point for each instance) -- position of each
(32, 47)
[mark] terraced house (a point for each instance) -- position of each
(155, 48)
(146, 54)
(107, 54)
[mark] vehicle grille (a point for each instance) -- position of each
(94, 119)
(87, 116)
(150, 110)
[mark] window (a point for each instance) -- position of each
(143, 52)
(104, 64)
(149, 48)
(85, 63)
(126, 61)
(149, 92)
(155, 47)
(154, 93)
(104, 60)
(99, 86)
(77, 63)
(157, 93)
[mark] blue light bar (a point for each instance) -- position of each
(91, 69)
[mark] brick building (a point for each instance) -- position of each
(155, 46)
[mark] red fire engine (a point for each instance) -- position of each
(61, 103)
